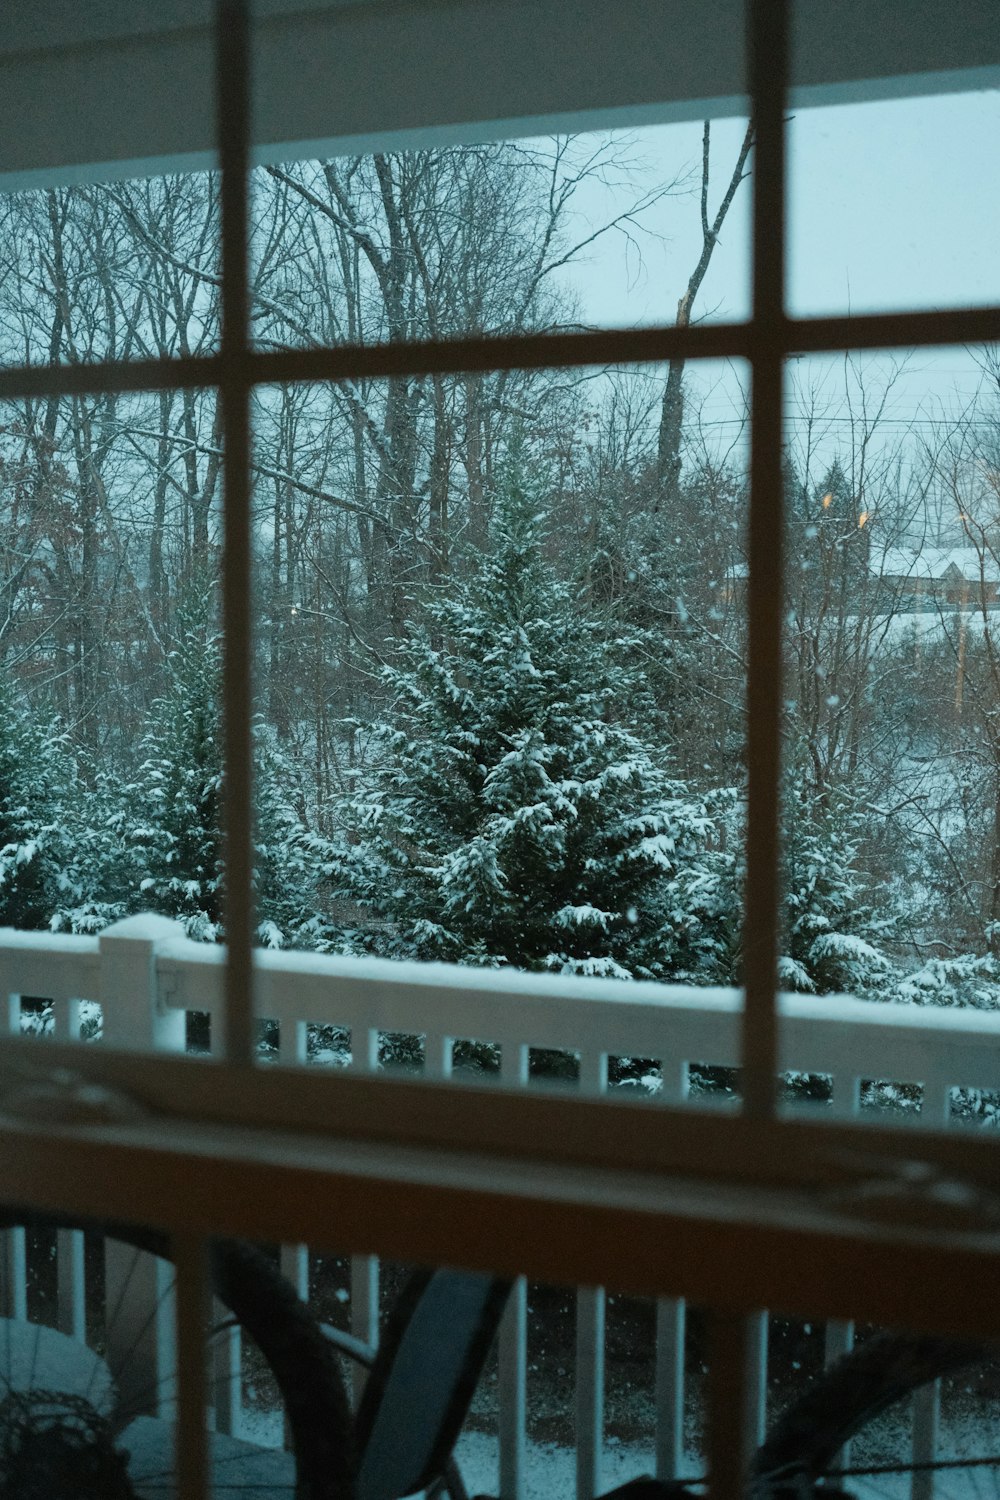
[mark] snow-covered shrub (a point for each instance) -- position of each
(959, 979)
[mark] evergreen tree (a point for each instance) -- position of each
(96, 878)
(513, 816)
(286, 869)
(32, 785)
(834, 918)
(174, 831)
(833, 921)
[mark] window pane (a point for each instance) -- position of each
(500, 670)
(110, 762)
(892, 763)
(112, 271)
(556, 233)
(888, 208)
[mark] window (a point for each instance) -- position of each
(438, 72)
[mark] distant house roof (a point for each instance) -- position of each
(930, 564)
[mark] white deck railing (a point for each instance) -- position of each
(144, 974)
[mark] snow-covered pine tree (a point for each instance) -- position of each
(833, 924)
(511, 814)
(286, 870)
(32, 785)
(175, 824)
(95, 885)
(835, 921)
(174, 827)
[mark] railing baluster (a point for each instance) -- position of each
(292, 1051)
(675, 1080)
(513, 1344)
(590, 1319)
(295, 1268)
(364, 1049)
(935, 1111)
(590, 1307)
(845, 1100)
(13, 1274)
(671, 1320)
(926, 1420)
(71, 1295)
(756, 1378)
(66, 1020)
(512, 1366)
(438, 1052)
(935, 1108)
(13, 1257)
(364, 1309)
(845, 1104)
(364, 1268)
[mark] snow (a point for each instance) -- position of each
(925, 626)
(584, 915)
(929, 563)
(968, 1427)
(550, 1469)
(848, 946)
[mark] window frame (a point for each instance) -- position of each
(765, 341)
(418, 1124)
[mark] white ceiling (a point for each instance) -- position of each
(94, 88)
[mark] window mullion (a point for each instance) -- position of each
(233, 102)
(768, 76)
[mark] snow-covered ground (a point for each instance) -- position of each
(931, 625)
(550, 1467)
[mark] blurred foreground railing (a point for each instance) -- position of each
(137, 983)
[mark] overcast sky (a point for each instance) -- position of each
(891, 205)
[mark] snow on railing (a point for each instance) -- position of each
(144, 975)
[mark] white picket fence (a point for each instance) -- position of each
(145, 975)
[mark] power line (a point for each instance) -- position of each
(907, 422)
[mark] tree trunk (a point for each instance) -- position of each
(668, 460)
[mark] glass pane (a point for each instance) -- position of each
(500, 666)
(546, 234)
(110, 271)
(110, 663)
(892, 762)
(887, 207)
